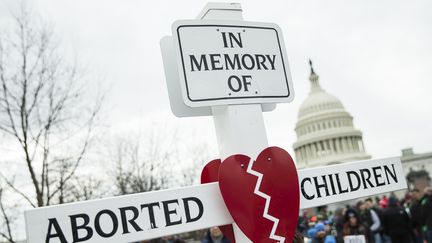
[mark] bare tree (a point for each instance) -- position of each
(84, 187)
(196, 158)
(143, 163)
(156, 160)
(8, 220)
(44, 112)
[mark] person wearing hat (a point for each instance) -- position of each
(320, 233)
(311, 233)
(330, 239)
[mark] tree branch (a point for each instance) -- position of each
(10, 184)
(6, 218)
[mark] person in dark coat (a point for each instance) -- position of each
(426, 213)
(416, 217)
(396, 222)
(214, 235)
(298, 238)
(339, 221)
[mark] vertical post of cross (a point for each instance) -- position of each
(239, 128)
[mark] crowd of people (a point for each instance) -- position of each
(379, 220)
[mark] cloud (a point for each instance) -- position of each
(373, 55)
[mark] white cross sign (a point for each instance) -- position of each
(155, 214)
(233, 70)
(231, 62)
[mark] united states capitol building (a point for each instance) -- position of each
(326, 135)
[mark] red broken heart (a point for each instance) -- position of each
(278, 188)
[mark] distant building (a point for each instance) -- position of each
(417, 167)
(326, 135)
(325, 130)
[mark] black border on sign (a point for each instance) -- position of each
(229, 98)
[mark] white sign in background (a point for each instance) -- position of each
(354, 239)
(128, 218)
(231, 62)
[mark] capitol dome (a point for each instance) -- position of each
(325, 130)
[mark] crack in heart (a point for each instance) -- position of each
(262, 194)
(266, 215)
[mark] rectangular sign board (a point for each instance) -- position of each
(178, 106)
(354, 239)
(155, 214)
(231, 62)
(129, 218)
(343, 182)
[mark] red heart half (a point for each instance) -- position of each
(262, 196)
(210, 173)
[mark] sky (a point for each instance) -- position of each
(375, 56)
